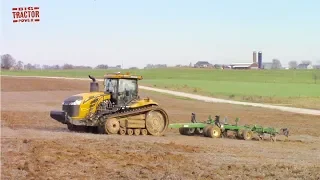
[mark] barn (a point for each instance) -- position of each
(244, 66)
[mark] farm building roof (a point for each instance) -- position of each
(240, 65)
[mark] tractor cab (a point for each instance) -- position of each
(122, 87)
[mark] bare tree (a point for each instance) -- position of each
(7, 61)
(29, 66)
(45, 66)
(56, 67)
(276, 64)
(67, 66)
(306, 62)
(19, 65)
(102, 66)
(293, 64)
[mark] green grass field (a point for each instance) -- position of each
(288, 87)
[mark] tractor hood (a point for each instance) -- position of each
(77, 99)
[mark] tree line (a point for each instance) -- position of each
(294, 64)
(8, 62)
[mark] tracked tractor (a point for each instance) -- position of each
(117, 109)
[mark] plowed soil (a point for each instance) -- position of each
(34, 146)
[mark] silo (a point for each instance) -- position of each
(254, 57)
(260, 59)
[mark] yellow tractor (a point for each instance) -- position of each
(117, 109)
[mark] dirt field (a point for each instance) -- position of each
(36, 147)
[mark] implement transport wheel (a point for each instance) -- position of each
(144, 132)
(214, 132)
(247, 135)
(130, 132)
(112, 126)
(122, 131)
(157, 122)
(137, 132)
(198, 131)
(205, 130)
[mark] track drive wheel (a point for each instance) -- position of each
(157, 122)
(214, 132)
(247, 135)
(112, 126)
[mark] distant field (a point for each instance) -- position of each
(288, 87)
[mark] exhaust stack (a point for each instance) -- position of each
(94, 86)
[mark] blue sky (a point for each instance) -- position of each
(135, 33)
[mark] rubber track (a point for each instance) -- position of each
(132, 112)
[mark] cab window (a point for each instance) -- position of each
(129, 85)
(110, 85)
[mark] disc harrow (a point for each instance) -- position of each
(214, 128)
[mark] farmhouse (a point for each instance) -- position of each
(202, 64)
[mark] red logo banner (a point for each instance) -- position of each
(26, 14)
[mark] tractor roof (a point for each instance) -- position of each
(118, 75)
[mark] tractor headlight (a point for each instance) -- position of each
(73, 100)
(76, 102)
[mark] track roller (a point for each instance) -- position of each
(144, 132)
(130, 132)
(122, 131)
(136, 132)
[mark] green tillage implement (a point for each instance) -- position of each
(216, 129)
